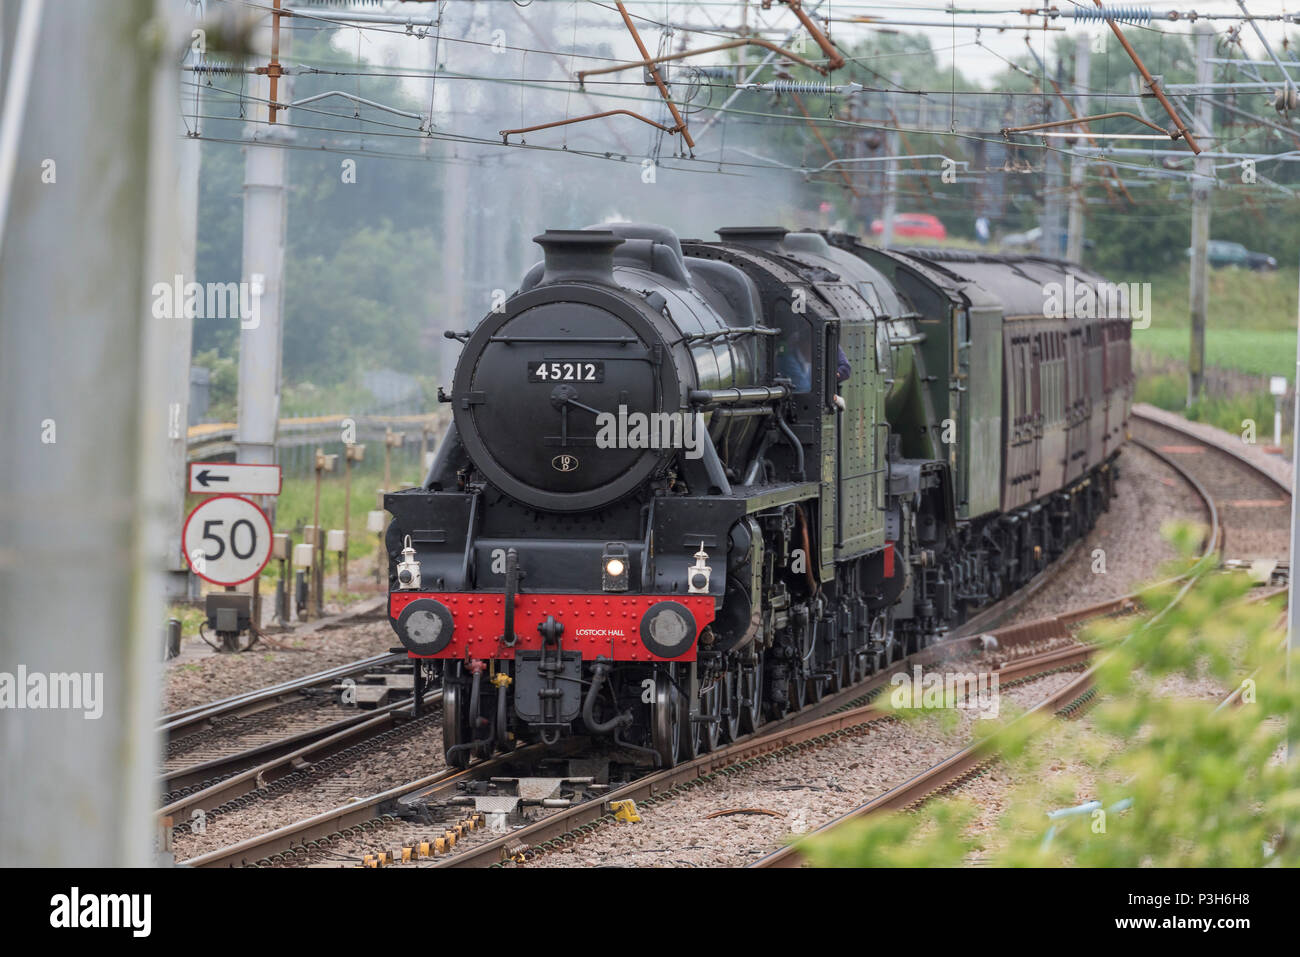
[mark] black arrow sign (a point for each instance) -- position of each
(205, 478)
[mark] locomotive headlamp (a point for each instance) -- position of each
(425, 626)
(614, 567)
(697, 576)
(668, 629)
(408, 569)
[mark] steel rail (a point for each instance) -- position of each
(833, 715)
(358, 817)
(292, 747)
(949, 772)
(828, 714)
(967, 762)
(1227, 450)
(794, 730)
(253, 701)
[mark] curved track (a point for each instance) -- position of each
(1231, 520)
(1222, 478)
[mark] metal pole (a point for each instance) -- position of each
(1199, 273)
(317, 601)
(388, 459)
(261, 333)
(83, 420)
(455, 212)
(1049, 243)
(891, 179)
(1293, 607)
(347, 516)
(177, 259)
(1079, 166)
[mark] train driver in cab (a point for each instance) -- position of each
(794, 362)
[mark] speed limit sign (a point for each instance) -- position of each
(227, 540)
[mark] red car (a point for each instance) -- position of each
(913, 225)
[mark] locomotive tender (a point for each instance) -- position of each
(659, 519)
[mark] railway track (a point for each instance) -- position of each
(223, 780)
(1223, 479)
(219, 741)
(1253, 504)
(850, 708)
(848, 712)
(264, 766)
(179, 725)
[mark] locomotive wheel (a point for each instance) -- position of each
(838, 678)
(711, 707)
(854, 666)
(798, 684)
(887, 652)
(816, 688)
(732, 682)
(455, 721)
(751, 694)
(688, 732)
(665, 721)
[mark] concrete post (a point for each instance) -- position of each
(84, 400)
(1199, 277)
(891, 184)
(262, 334)
(1079, 165)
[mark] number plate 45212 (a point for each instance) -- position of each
(566, 370)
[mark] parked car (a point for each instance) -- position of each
(1222, 253)
(913, 226)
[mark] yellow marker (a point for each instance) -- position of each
(406, 855)
(426, 849)
(501, 680)
(625, 811)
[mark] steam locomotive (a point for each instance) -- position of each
(660, 518)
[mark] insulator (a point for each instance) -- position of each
(219, 67)
(337, 3)
(1120, 13)
(810, 87)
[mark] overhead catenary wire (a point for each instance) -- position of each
(957, 129)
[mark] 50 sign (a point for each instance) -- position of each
(227, 540)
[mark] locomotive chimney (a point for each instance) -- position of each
(578, 255)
